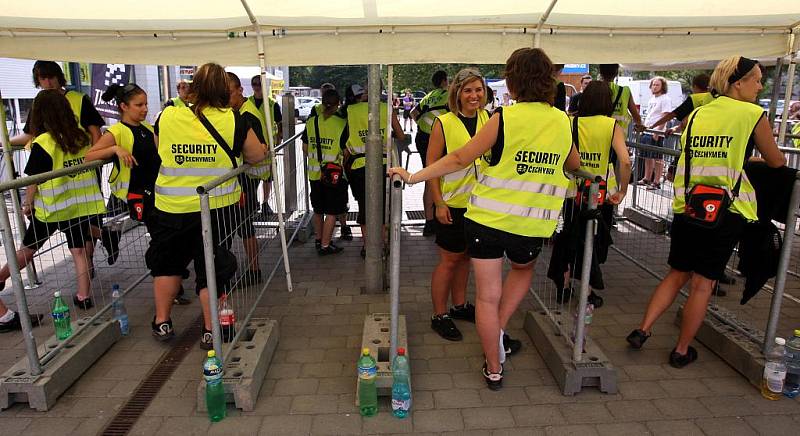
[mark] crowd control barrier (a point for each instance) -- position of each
(59, 269)
(243, 340)
(559, 326)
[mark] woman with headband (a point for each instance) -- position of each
(713, 197)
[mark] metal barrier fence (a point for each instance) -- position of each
(263, 242)
(643, 238)
(567, 311)
(87, 268)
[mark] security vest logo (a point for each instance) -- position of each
(194, 153)
(179, 159)
(532, 162)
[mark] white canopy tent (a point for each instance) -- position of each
(335, 32)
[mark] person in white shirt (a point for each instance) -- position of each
(658, 105)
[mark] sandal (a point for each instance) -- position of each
(494, 380)
(680, 360)
(637, 338)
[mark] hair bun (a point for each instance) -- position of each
(111, 92)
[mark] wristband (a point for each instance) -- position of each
(441, 204)
(409, 182)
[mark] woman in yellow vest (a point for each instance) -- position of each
(450, 196)
(323, 138)
(721, 136)
(196, 145)
(601, 144)
(516, 201)
(625, 108)
(63, 203)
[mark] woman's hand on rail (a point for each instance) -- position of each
(400, 171)
(616, 198)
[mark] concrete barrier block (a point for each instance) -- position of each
(41, 392)
(594, 371)
(376, 337)
(646, 220)
(246, 365)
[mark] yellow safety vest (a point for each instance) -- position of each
(272, 104)
(358, 127)
(796, 131)
(524, 193)
(456, 187)
(701, 98)
(66, 197)
(329, 135)
(191, 157)
(595, 134)
(120, 177)
(431, 106)
(720, 134)
(75, 100)
(621, 108)
(178, 102)
(261, 170)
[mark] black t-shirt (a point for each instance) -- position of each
(89, 116)
(143, 175)
(684, 109)
(573, 102)
(254, 124)
(276, 112)
(497, 149)
(471, 124)
(39, 161)
(561, 96)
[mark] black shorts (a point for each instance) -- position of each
(357, 180)
(704, 251)
(487, 243)
(176, 240)
(450, 237)
(329, 200)
(406, 114)
(247, 206)
(75, 230)
(421, 142)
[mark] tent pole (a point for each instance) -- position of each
(165, 86)
(776, 90)
(267, 113)
(537, 39)
(793, 41)
(374, 180)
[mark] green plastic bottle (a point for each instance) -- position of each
(367, 391)
(215, 391)
(61, 318)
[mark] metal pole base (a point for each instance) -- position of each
(595, 370)
(376, 337)
(32, 286)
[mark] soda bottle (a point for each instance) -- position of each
(227, 320)
(587, 320)
(791, 387)
(774, 371)
(215, 391)
(61, 318)
(120, 313)
(367, 391)
(401, 392)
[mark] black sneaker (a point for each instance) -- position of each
(330, 249)
(494, 380)
(429, 229)
(346, 233)
(163, 331)
(563, 295)
(110, 240)
(179, 299)
(510, 345)
(82, 304)
(445, 327)
(253, 276)
(266, 210)
(317, 244)
(15, 324)
(680, 360)
(637, 338)
(207, 340)
(465, 312)
(595, 300)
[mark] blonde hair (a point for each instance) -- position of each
(466, 75)
(663, 83)
(724, 70)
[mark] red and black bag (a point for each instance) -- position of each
(136, 206)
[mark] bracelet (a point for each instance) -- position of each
(441, 204)
(409, 182)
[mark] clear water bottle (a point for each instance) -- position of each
(774, 371)
(61, 317)
(120, 313)
(587, 320)
(367, 391)
(401, 391)
(791, 387)
(215, 391)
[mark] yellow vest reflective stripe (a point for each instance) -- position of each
(190, 157)
(66, 197)
(431, 106)
(524, 193)
(120, 176)
(329, 135)
(261, 170)
(75, 100)
(456, 187)
(720, 134)
(796, 131)
(621, 109)
(594, 145)
(358, 127)
(701, 98)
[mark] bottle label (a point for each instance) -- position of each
(401, 404)
(60, 315)
(367, 372)
(774, 375)
(212, 371)
(588, 318)
(227, 317)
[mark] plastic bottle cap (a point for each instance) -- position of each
(212, 353)
(57, 294)
(780, 341)
(797, 332)
(401, 351)
(365, 351)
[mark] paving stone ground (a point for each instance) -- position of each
(310, 386)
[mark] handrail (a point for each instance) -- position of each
(50, 175)
(583, 174)
(652, 148)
